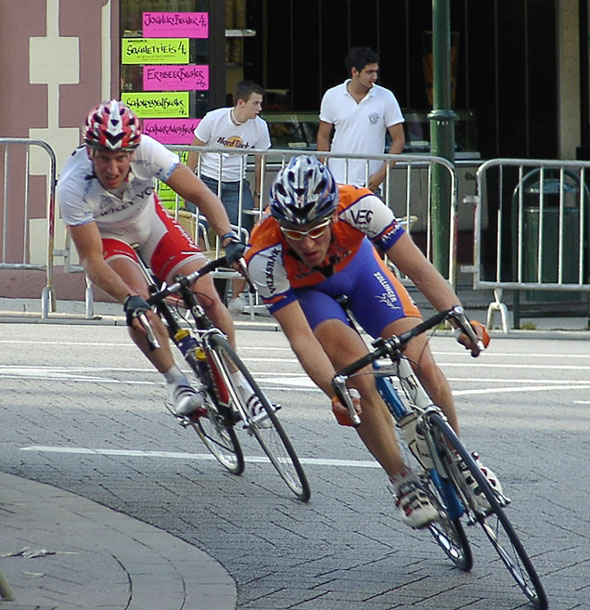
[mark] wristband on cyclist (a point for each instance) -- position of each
(232, 236)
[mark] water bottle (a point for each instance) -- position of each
(186, 342)
(202, 365)
(415, 440)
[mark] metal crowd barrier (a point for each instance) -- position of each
(407, 188)
(19, 207)
(540, 237)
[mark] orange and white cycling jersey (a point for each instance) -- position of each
(277, 272)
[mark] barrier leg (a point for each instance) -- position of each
(5, 592)
(497, 305)
(47, 302)
(89, 299)
(251, 304)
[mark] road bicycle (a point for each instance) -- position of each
(438, 456)
(227, 385)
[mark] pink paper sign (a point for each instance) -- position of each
(171, 131)
(175, 25)
(175, 78)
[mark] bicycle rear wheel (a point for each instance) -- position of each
(265, 427)
(447, 531)
(216, 429)
(495, 524)
(217, 433)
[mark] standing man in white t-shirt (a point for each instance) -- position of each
(360, 112)
(227, 128)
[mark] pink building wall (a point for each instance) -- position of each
(74, 31)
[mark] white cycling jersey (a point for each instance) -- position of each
(129, 215)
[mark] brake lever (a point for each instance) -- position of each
(244, 271)
(149, 332)
(339, 383)
(465, 327)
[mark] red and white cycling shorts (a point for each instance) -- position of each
(167, 248)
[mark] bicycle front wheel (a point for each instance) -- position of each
(216, 429)
(495, 523)
(264, 425)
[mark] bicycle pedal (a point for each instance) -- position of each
(261, 417)
(503, 500)
(256, 419)
(183, 421)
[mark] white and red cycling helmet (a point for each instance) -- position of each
(112, 126)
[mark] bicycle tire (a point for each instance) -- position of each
(495, 523)
(447, 531)
(268, 432)
(216, 428)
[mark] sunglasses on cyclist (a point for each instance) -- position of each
(313, 233)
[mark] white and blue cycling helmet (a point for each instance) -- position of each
(303, 192)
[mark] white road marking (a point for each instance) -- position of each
(532, 388)
(61, 374)
(291, 382)
(243, 348)
(192, 456)
(67, 343)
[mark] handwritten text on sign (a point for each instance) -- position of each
(152, 105)
(176, 25)
(171, 131)
(154, 51)
(175, 78)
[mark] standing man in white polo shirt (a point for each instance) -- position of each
(360, 112)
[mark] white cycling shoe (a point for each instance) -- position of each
(415, 509)
(476, 492)
(186, 401)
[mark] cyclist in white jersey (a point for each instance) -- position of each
(107, 200)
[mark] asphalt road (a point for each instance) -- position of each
(81, 410)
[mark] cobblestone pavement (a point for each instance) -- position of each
(82, 412)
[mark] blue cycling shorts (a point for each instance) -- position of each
(375, 296)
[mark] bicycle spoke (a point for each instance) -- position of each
(448, 531)
(220, 438)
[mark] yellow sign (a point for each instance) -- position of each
(166, 195)
(154, 51)
(166, 104)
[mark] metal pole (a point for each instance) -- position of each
(442, 132)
